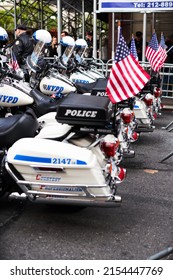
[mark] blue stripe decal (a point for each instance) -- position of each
(48, 160)
(80, 162)
(33, 159)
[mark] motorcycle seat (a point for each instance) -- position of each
(43, 103)
(96, 88)
(83, 88)
(17, 126)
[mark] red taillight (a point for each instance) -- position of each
(108, 148)
(109, 145)
(148, 99)
(157, 92)
(127, 116)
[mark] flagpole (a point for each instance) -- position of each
(144, 36)
(119, 26)
(113, 35)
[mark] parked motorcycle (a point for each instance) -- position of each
(16, 96)
(62, 76)
(61, 172)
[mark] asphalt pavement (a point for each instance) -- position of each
(141, 227)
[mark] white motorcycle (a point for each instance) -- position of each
(16, 96)
(65, 73)
(49, 171)
(83, 71)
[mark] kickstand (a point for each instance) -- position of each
(168, 156)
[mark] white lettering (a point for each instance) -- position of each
(81, 113)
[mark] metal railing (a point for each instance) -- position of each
(166, 73)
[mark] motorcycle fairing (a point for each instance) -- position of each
(52, 85)
(82, 77)
(12, 97)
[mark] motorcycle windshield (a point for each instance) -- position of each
(37, 54)
(79, 53)
(67, 54)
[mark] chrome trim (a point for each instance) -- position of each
(27, 189)
(59, 185)
(112, 201)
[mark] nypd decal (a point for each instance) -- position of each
(80, 81)
(53, 88)
(8, 99)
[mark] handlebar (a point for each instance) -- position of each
(8, 73)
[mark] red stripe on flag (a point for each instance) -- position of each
(126, 79)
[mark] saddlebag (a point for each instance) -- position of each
(99, 88)
(76, 109)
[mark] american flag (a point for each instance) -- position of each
(155, 54)
(133, 50)
(127, 77)
(13, 62)
(162, 44)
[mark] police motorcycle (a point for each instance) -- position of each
(83, 71)
(50, 77)
(142, 119)
(62, 171)
(16, 94)
(49, 127)
(62, 75)
(55, 84)
(148, 104)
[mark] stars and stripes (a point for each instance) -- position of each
(155, 53)
(127, 77)
(133, 50)
(162, 44)
(13, 62)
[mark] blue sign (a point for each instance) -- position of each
(134, 6)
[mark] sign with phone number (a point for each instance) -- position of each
(134, 6)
